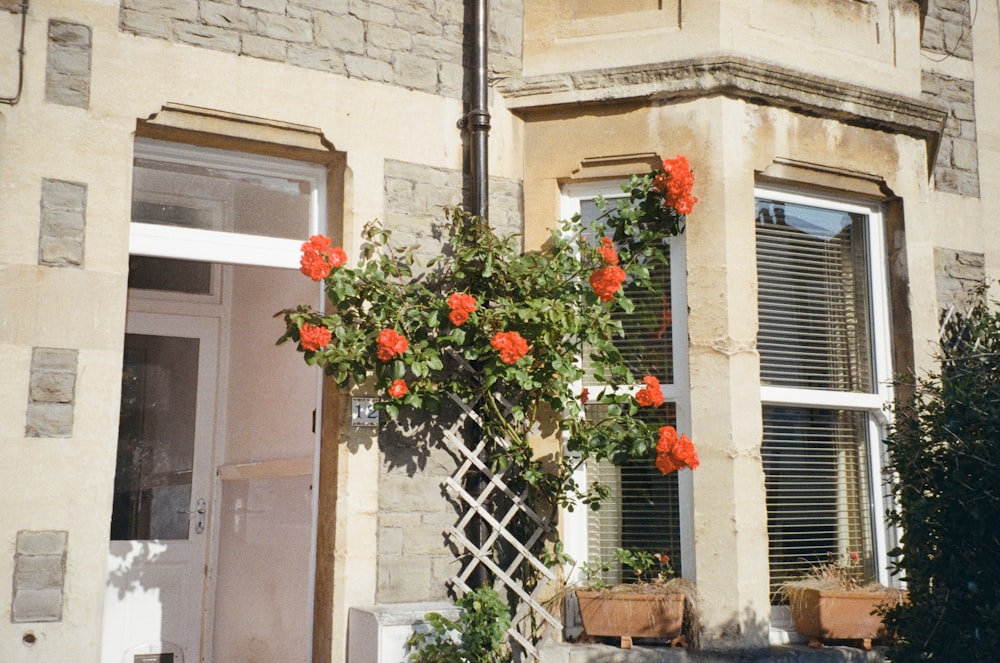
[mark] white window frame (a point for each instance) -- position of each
(874, 404)
(154, 240)
(575, 539)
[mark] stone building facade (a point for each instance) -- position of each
(161, 161)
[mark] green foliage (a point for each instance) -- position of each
(546, 297)
(479, 635)
(646, 567)
(944, 455)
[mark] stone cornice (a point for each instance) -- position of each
(738, 78)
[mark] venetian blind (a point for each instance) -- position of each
(814, 311)
(815, 465)
(643, 511)
(647, 345)
(813, 298)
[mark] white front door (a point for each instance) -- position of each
(159, 556)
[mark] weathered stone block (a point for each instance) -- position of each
(345, 33)
(67, 64)
(264, 48)
(39, 576)
(37, 605)
(69, 34)
(147, 25)
(39, 572)
(52, 387)
(50, 395)
(451, 11)
(45, 542)
(415, 72)
(403, 579)
(410, 493)
(272, 6)
(390, 39)
(284, 28)
(329, 6)
(957, 275)
(424, 541)
(54, 359)
(419, 22)
(225, 15)
(372, 13)
(368, 69)
(323, 59)
(49, 420)
(185, 10)
(390, 541)
(207, 37)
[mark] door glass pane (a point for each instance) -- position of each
(156, 438)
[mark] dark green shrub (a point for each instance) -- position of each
(944, 456)
(479, 635)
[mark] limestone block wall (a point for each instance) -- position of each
(947, 44)
(417, 44)
(67, 72)
(39, 576)
(414, 559)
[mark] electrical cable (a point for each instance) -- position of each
(20, 58)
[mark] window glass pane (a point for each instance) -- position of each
(815, 463)
(647, 346)
(813, 296)
(643, 511)
(219, 198)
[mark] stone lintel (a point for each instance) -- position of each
(738, 78)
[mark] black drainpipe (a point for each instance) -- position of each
(477, 123)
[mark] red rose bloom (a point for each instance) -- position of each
(675, 183)
(674, 453)
(607, 251)
(606, 281)
(462, 306)
(314, 337)
(510, 345)
(398, 388)
(391, 344)
(337, 257)
(318, 258)
(584, 396)
(314, 265)
(650, 395)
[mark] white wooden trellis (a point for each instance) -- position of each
(483, 506)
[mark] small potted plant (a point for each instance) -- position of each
(657, 605)
(833, 602)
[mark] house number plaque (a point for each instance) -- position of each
(363, 412)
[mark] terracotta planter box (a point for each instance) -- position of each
(836, 615)
(630, 615)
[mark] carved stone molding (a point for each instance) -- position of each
(738, 78)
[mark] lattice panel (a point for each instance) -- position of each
(514, 528)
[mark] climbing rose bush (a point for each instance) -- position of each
(503, 330)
